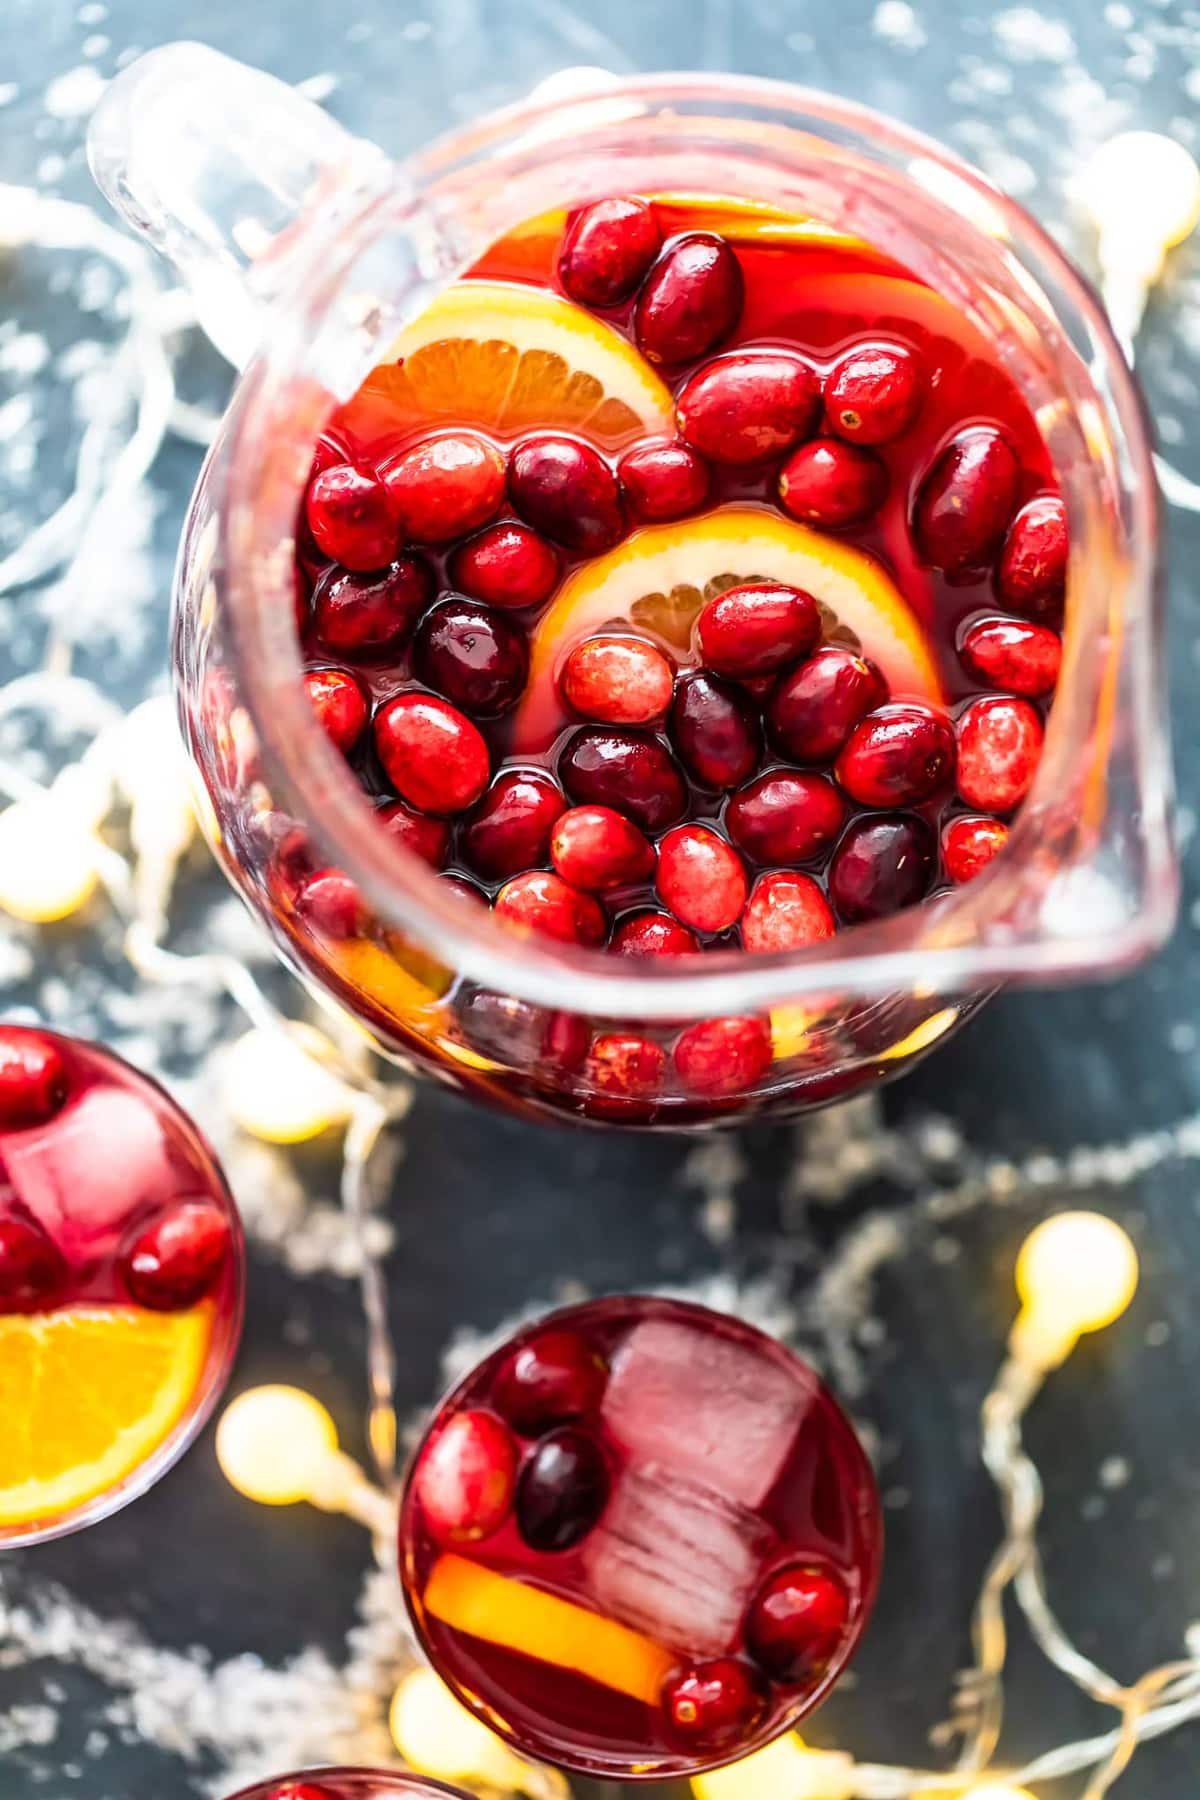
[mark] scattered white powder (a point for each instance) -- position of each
(318, 87)
(1115, 1472)
(96, 45)
(74, 95)
(897, 23)
(715, 1166)
(8, 92)
(1026, 35)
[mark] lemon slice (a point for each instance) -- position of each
(87, 1394)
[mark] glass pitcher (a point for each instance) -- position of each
(307, 251)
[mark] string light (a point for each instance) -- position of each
(278, 1086)
(436, 1735)
(784, 1770)
(1077, 1272)
(48, 860)
(275, 1443)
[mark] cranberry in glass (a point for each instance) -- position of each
(351, 517)
(691, 299)
(831, 484)
(653, 934)
(664, 481)
(564, 488)
(543, 903)
(715, 729)
(550, 1379)
(1032, 571)
(969, 843)
(446, 487)
(365, 616)
(723, 1056)
(507, 565)
(509, 831)
(627, 770)
(700, 878)
(785, 817)
(517, 1033)
(420, 833)
(466, 1477)
(177, 1257)
(475, 657)
(897, 756)
(622, 1066)
(714, 1704)
(618, 680)
(350, 1784)
(749, 406)
(594, 848)
(882, 864)
(797, 1621)
(965, 502)
(33, 1271)
(999, 748)
(607, 251)
(1013, 654)
(33, 1078)
(785, 912)
(873, 393)
(757, 628)
(432, 754)
(331, 904)
(339, 704)
(814, 708)
(562, 1490)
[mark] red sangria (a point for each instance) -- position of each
(640, 1539)
(121, 1273)
(349, 1784)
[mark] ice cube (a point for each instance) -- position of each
(675, 1561)
(705, 1406)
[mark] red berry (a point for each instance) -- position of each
(785, 912)
(785, 817)
(814, 708)
(664, 481)
(715, 729)
(300, 1790)
(594, 848)
(715, 1705)
(506, 565)
(545, 904)
(433, 756)
(424, 836)
(626, 1067)
(365, 616)
(1032, 571)
(872, 393)
(518, 1034)
(566, 489)
(700, 878)
(339, 703)
(332, 905)
(969, 844)
(832, 484)
(798, 1623)
(627, 770)
(608, 249)
(621, 680)
(691, 300)
(553, 1378)
(460, 889)
(757, 627)
(476, 658)
(897, 756)
(881, 865)
(1008, 653)
(466, 1477)
(33, 1078)
(351, 517)
(748, 406)
(723, 1056)
(966, 500)
(510, 831)
(445, 487)
(999, 747)
(33, 1271)
(563, 1489)
(653, 934)
(176, 1259)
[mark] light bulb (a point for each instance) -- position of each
(436, 1735)
(1076, 1272)
(277, 1086)
(998, 1790)
(48, 858)
(1143, 188)
(275, 1444)
(784, 1770)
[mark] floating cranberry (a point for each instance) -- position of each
(691, 300)
(519, 1035)
(969, 844)
(748, 406)
(332, 905)
(623, 1066)
(33, 1271)
(554, 1378)
(1008, 653)
(621, 680)
(999, 747)
(300, 1790)
(339, 703)
(176, 1259)
(445, 487)
(966, 501)
(653, 934)
(700, 878)
(511, 829)
(757, 627)
(562, 1491)
(466, 1478)
(881, 865)
(367, 615)
(543, 903)
(351, 517)
(897, 756)
(723, 1056)
(461, 890)
(1032, 571)
(476, 658)
(832, 484)
(433, 756)
(608, 249)
(785, 912)
(566, 489)
(33, 1079)
(785, 817)
(814, 708)
(595, 848)
(797, 1623)
(872, 393)
(715, 729)
(424, 836)
(713, 1705)
(506, 565)
(627, 770)
(664, 481)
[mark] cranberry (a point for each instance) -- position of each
(653, 934)
(339, 703)
(332, 905)
(999, 747)
(881, 865)
(814, 708)
(33, 1271)
(785, 912)
(433, 755)
(748, 406)
(1032, 571)
(701, 878)
(757, 627)
(466, 1478)
(664, 481)
(460, 889)
(446, 486)
(626, 1067)
(520, 1035)
(723, 1056)
(627, 770)
(424, 836)
(543, 903)
(478, 659)
(366, 615)
(966, 501)
(33, 1079)
(621, 680)
(713, 1704)
(969, 844)
(594, 848)
(511, 829)
(691, 300)
(832, 484)
(607, 251)
(785, 817)
(897, 756)
(562, 1491)
(716, 730)
(351, 518)
(506, 565)
(300, 1790)
(566, 489)
(553, 1378)
(798, 1623)
(1008, 653)
(176, 1259)
(872, 394)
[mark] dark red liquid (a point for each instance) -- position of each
(348, 1784)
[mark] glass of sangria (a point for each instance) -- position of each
(348, 1784)
(640, 1539)
(669, 623)
(121, 1279)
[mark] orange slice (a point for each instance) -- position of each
(660, 577)
(87, 1394)
(470, 1598)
